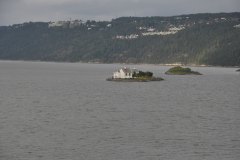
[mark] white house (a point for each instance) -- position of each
(123, 73)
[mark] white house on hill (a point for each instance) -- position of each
(123, 73)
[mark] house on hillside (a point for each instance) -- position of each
(124, 73)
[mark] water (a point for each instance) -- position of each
(54, 111)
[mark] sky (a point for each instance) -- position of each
(19, 11)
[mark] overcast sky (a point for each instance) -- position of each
(19, 11)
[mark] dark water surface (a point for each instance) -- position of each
(64, 111)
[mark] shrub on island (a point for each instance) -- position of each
(143, 74)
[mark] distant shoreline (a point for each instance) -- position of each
(150, 64)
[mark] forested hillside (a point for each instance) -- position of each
(210, 39)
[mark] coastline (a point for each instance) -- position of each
(149, 64)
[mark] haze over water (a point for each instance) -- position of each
(53, 111)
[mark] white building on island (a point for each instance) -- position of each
(124, 73)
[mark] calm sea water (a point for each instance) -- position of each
(54, 111)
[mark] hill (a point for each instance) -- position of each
(210, 39)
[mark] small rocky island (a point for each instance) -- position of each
(133, 75)
(238, 70)
(181, 71)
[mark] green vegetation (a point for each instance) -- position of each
(145, 76)
(181, 71)
(209, 39)
(142, 74)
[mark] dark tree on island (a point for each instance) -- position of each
(143, 74)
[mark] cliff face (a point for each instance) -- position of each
(211, 39)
